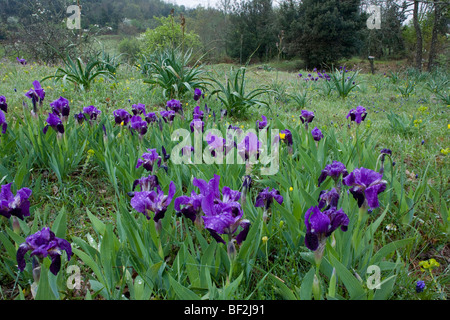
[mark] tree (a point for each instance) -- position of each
(252, 30)
(419, 45)
(327, 31)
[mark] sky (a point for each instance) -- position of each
(194, 3)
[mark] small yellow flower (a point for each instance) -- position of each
(448, 126)
(122, 123)
(264, 239)
(91, 152)
(445, 151)
(291, 189)
(282, 136)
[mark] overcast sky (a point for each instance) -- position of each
(194, 3)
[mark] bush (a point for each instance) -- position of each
(168, 34)
(131, 48)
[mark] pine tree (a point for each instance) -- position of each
(328, 30)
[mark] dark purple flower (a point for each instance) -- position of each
(151, 117)
(328, 198)
(265, 198)
(286, 137)
(306, 116)
(249, 147)
(121, 116)
(262, 124)
(60, 107)
(224, 216)
(3, 122)
(139, 125)
(42, 244)
(14, 205)
(197, 94)
(215, 144)
(149, 159)
(420, 286)
(386, 151)
(317, 134)
(36, 94)
(320, 225)
(79, 117)
(190, 207)
(21, 61)
(3, 104)
(365, 186)
(175, 105)
(197, 113)
(138, 108)
(357, 115)
(154, 201)
(146, 183)
(55, 122)
(198, 125)
(92, 112)
(167, 116)
(333, 170)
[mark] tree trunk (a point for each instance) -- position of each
(418, 35)
(434, 36)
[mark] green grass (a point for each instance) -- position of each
(89, 188)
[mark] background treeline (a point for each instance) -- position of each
(313, 33)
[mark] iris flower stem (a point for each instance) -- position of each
(356, 234)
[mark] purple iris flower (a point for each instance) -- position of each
(79, 117)
(167, 116)
(266, 197)
(21, 61)
(55, 122)
(249, 146)
(154, 201)
(151, 117)
(3, 122)
(36, 94)
(224, 216)
(42, 244)
(215, 143)
(61, 107)
(146, 183)
(357, 115)
(306, 116)
(190, 207)
(317, 134)
(287, 137)
(328, 199)
(175, 105)
(14, 205)
(197, 113)
(320, 225)
(365, 186)
(197, 124)
(382, 156)
(333, 170)
(121, 116)
(138, 108)
(92, 112)
(262, 124)
(139, 125)
(197, 94)
(3, 104)
(149, 159)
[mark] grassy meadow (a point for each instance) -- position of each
(81, 182)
